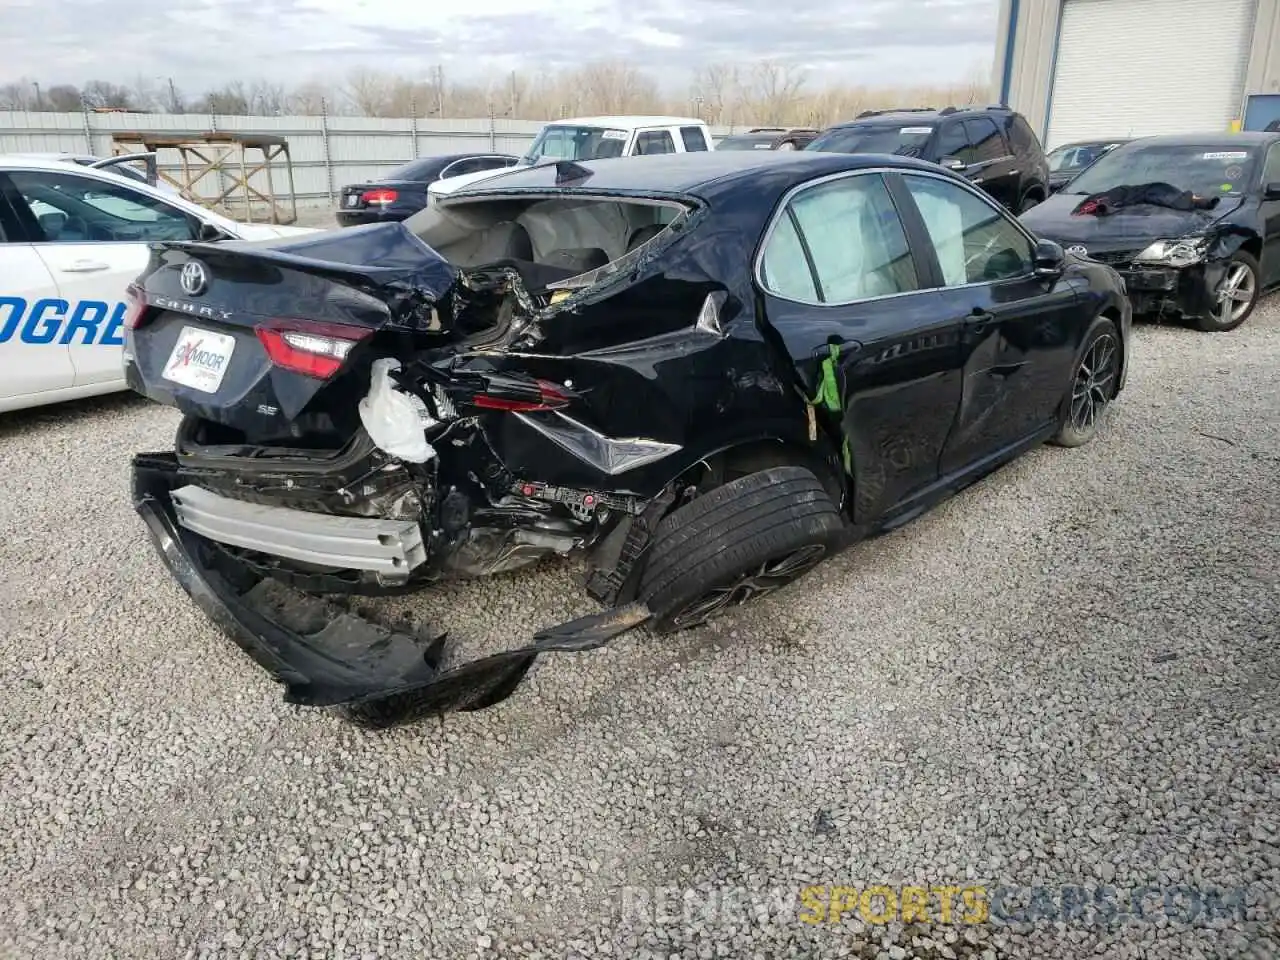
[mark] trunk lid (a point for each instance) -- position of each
(248, 334)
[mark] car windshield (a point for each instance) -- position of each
(1075, 156)
(1207, 170)
(755, 141)
(905, 140)
(559, 142)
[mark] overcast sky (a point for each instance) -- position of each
(203, 43)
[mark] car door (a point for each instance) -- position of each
(93, 237)
(1019, 333)
(31, 358)
(1270, 218)
(992, 167)
(839, 273)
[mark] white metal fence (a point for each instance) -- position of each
(326, 152)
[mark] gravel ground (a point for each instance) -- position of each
(1065, 676)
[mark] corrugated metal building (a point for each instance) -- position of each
(1079, 69)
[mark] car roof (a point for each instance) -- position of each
(692, 173)
(930, 115)
(626, 121)
(48, 164)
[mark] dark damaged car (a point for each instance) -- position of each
(706, 371)
(1192, 223)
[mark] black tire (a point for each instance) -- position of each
(1093, 386)
(743, 539)
(1224, 321)
(1028, 202)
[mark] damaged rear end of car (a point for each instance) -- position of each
(504, 377)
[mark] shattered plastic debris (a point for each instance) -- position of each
(395, 421)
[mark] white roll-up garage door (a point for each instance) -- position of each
(1133, 68)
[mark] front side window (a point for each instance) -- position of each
(852, 240)
(975, 241)
(953, 144)
(75, 209)
(654, 141)
(986, 140)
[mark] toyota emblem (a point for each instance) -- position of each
(194, 280)
(1078, 251)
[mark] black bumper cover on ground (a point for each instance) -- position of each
(327, 656)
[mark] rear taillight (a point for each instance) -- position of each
(135, 314)
(515, 397)
(308, 347)
(380, 196)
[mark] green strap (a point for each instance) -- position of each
(828, 396)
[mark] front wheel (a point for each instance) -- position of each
(742, 540)
(1236, 297)
(1093, 386)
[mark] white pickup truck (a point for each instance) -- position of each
(597, 138)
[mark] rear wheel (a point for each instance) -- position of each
(1093, 385)
(740, 541)
(1028, 202)
(1237, 295)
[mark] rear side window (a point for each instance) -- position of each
(693, 138)
(1022, 137)
(851, 238)
(986, 140)
(654, 141)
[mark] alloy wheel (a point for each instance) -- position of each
(1237, 292)
(1095, 382)
(767, 578)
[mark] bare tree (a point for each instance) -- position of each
(230, 100)
(62, 98)
(18, 95)
(720, 88)
(103, 93)
(773, 91)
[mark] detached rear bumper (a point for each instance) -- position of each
(326, 655)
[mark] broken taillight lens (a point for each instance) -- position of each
(381, 197)
(310, 348)
(135, 315)
(515, 397)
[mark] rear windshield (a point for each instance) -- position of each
(903, 139)
(415, 170)
(748, 142)
(1211, 169)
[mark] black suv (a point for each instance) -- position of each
(994, 147)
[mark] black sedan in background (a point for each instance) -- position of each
(1069, 159)
(1192, 223)
(403, 191)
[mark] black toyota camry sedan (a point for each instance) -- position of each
(402, 192)
(1191, 222)
(706, 371)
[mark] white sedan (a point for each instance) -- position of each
(72, 238)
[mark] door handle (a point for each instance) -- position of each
(86, 266)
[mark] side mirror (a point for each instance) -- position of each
(208, 233)
(1049, 260)
(954, 163)
(1271, 191)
